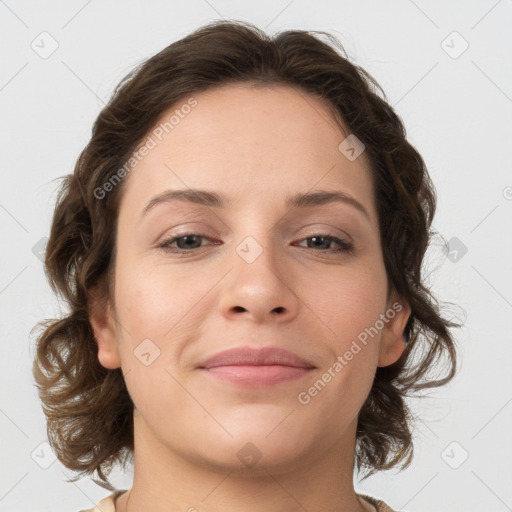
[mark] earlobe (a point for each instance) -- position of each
(104, 328)
(392, 343)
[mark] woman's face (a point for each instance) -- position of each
(256, 269)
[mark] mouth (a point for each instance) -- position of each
(248, 367)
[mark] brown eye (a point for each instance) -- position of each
(184, 243)
(325, 241)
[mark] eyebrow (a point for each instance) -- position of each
(215, 200)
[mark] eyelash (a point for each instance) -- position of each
(345, 247)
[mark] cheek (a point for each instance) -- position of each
(161, 312)
(155, 300)
(152, 326)
(346, 302)
(345, 308)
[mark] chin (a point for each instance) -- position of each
(261, 443)
(254, 456)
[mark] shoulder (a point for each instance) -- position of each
(380, 506)
(107, 504)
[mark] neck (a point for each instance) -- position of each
(165, 480)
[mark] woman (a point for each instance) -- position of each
(240, 246)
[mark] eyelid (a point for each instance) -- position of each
(188, 228)
(325, 229)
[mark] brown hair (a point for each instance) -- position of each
(89, 411)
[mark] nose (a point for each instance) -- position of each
(261, 289)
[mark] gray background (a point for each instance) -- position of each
(457, 106)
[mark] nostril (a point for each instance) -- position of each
(279, 309)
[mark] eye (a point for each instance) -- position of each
(186, 243)
(190, 242)
(320, 241)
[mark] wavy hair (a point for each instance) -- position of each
(88, 409)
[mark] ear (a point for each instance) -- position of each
(392, 343)
(104, 327)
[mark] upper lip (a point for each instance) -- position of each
(248, 356)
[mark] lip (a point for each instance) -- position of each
(250, 367)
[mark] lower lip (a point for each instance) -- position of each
(257, 376)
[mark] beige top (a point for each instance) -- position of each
(108, 504)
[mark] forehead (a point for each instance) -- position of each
(251, 142)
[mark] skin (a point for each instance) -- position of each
(253, 146)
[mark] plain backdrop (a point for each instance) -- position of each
(446, 68)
